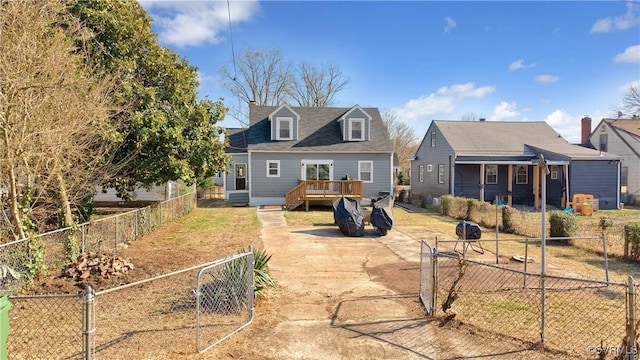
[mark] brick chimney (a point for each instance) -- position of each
(586, 131)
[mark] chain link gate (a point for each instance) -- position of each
(224, 299)
(427, 278)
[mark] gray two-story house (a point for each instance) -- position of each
(620, 137)
(299, 155)
(499, 161)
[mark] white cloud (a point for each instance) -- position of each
(449, 24)
(568, 126)
(547, 78)
(443, 100)
(196, 23)
(519, 64)
(630, 55)
(625, 88)
(504, 110)
(622, 22)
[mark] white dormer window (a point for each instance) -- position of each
(284, 128)
(356, 129)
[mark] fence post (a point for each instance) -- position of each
(630, 342)
(89, 325)
(137, 236)
(526, 260)
(626, 243)
(606, 260)
(82, 236)
(116, 232)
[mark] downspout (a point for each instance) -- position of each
(248, 174)
(619, 187)
(392, 173)
(452, 174)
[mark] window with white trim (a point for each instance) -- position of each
(273, 168)
(522, 174)
(421, 174)
(553, 171)
(433, 139)
(440, 173)
(365, 171)
(356, 129)
(491, 174)
(284, 128)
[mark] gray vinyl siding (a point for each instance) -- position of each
(291, 172)
(284, 112)
(596, 178)
(434, 156)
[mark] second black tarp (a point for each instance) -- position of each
(382, 213)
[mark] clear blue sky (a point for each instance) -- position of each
(502, 60)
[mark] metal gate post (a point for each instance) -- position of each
(88, 323)
(630, 348)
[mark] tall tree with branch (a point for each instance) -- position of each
(169, 133)
(317, 86)
(403, 138)
(55, 120)
(264, 77)
(631, 102)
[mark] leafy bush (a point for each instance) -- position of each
(508, 219)
(455, 207)
(403, 179)
(632, 239)
(562, 224)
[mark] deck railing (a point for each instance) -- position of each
(309, 190)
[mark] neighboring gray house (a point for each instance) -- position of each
(620, 137)
(294, 155)
(489, 160)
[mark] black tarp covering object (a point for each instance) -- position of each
(470, 229)
(347, 214)
(382, 213)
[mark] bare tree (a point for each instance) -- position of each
(317, 86)
(259, 75)
(54, 117)
(631, 102)
(403, 138)
(263, 77)
(471, 116)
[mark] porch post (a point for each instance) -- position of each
(510, 185)
(566, 184)
(536, 186)
(482, 182)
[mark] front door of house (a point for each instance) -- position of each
(241, 176)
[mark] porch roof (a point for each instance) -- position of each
(512, 140)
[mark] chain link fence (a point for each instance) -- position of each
(178, 313)
(576, 317)
(105, 234)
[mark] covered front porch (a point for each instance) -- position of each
(511, 182)
(322, 191)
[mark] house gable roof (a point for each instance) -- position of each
(318, 131)
(631, 126)
(618, 126)
(511, 139)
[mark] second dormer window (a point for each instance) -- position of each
(356, 129)
(284, 128)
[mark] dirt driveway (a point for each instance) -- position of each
(345, 297)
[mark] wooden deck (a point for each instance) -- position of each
(310, 191)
